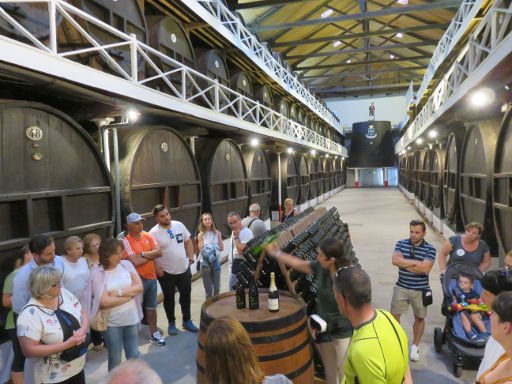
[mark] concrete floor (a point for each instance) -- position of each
(377, 218)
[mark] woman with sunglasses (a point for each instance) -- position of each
(115, 286)
(210, 244)
(52, 329)
(333, 343)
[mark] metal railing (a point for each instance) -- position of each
(489, 43)
(243, 36)
(166, 74)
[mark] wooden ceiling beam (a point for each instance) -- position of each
(362, 15)
(366, 88)
(235, 5)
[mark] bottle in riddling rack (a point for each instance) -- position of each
(273, 295)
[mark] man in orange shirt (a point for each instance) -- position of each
(141, 249)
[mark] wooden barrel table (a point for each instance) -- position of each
(280, 339)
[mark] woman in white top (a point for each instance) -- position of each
(289, 210)
(92, 243)
(210, 265)
(76, 270)
(116, 287)
(52, 329)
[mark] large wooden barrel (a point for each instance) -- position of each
(126, 16)
(476, 174)
(320, 169)
(52, 179)
(280, 339)
(451, 199)
(434, 192)
(418, 158)
(259, 179)
(281, 106)
(300, 115)
(425, 177)
(241, 83)
(290, 186)
(304, 178)
(328, 174)
(263, 94)
(313, 177)
(32, 16)
(402, 171)
(224, 179)
(338, 172)
(212, 64)
(167, 35)
(410, 172)
(502, 191)
(293, 112)
(157, 167)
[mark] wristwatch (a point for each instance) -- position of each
(120, 292)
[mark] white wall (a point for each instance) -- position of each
(353, 110)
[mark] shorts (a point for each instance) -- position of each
(18, 363)
(149, 294)
(402, 297)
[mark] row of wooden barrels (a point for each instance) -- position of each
(467, 178)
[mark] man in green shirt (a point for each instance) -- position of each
(378, 352)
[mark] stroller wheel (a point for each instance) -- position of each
(457, 369)
(438, 339)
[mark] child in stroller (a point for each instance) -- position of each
(466, 352)
(467, 302)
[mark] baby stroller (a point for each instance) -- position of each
(464, 351)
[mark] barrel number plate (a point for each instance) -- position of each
(165, 147)
(173, 37)
(34, 133)
(227, 156)
(217, 64)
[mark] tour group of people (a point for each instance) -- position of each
(100, 291)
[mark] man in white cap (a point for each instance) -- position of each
(141, 249)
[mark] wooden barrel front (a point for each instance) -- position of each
(280, 339)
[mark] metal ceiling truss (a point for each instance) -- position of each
(368, 49)
(221, 19)
(460, 23)
(362, 15)
(358, 63)
(360, 35)
(389, 70)
(488, 45)
(185, 84)
(366, 88)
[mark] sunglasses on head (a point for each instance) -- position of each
(340, 270)
(171, 235)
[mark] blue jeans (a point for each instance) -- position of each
(211, 281)
(117, 337)
(149, 294)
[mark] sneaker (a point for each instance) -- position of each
(156, 338)
(415, 353)
(472, 335)
(171, 329)
(189, 326)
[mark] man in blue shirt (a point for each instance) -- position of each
(42, 248)
(414, 257)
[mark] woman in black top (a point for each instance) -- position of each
(289, 210)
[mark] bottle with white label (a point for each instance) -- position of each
(273, 295)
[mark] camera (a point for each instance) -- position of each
(504, 278)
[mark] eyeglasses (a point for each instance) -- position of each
(339, 271)
(413, 253)
(171, 235)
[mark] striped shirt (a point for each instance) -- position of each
(424, 251)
